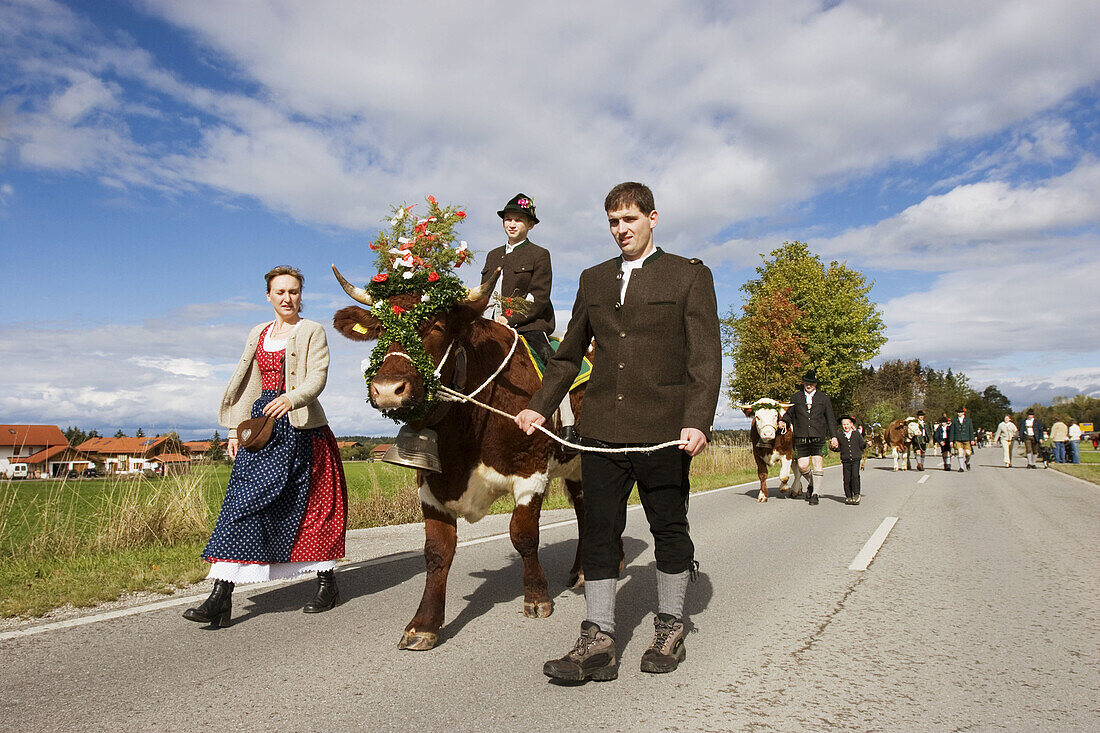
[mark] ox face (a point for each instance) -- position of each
(397, 386)
(766, 414)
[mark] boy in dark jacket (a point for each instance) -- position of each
(851, 451)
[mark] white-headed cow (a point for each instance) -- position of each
(769, 445)
(483, 456)
(898, 437)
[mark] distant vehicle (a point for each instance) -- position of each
(73, 473)
(12, 470)
(91, 473)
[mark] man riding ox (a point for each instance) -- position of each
(432, 339)
(769, 444)
(899, 437)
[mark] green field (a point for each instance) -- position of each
(86, 541)
(1089, 467)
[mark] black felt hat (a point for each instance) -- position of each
(810, 377)
(920, 413)
(521, 203)
(1031, 412)
(846, 417)
(961, 409)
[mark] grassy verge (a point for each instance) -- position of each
(84, 542)
(1088, 468)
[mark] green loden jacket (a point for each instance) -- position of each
(657, 365)
(962, 430)
(525, 272)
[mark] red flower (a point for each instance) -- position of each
(379, 278)
(432, 201)
(398, 310)
(433, 276)
(508, 312)
(431, 237)
(460, 214)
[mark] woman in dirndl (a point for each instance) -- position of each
(285, 510)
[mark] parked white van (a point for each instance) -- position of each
(12, 470)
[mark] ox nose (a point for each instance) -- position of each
(388, 393)
(767, 433)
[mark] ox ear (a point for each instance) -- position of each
(357, 323)
(784, 406)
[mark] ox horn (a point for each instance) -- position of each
(357, 294)
(481, 291)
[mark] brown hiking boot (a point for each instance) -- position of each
(593, 656)
(667, 650)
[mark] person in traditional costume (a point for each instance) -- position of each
(285, 509)
(525, 274)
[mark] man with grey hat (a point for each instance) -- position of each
(811, 418)
(525, 274)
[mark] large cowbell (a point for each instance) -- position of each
(415, 449)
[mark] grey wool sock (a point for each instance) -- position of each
(599, 597)
(819, 482)
(671, 589)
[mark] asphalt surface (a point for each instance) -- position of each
(978, 613)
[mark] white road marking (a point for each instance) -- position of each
(397, 557)
(863, 559)
(923, 478)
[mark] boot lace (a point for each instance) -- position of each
(661, 633)
(580, 648)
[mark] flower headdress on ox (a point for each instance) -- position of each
(418, 254)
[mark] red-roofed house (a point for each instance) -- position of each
(23, 440)
(130, 455)
(57, 461)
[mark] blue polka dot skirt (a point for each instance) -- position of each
(287, 502)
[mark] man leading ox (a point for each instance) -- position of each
(656, 374)
(811, 418)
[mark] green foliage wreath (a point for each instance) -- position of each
(416, 255)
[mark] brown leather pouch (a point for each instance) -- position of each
(253, 433)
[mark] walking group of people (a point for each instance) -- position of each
(285, 508)
(1065, 439)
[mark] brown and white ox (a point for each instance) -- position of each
(768, 444)
(483, 456)
(898, 437)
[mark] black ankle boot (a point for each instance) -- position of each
(328, 595)
(216, 609)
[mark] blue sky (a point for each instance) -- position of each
(157, 157)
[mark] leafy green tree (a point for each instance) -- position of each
(216, 451)
(841, 328)
(988, 408)
(75, 436)
(120, 434)
(882, 413)
(766, 348)
(140, 433)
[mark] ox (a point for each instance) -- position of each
(769, 445)
(483, 456)
(898, 437)
(875, 441)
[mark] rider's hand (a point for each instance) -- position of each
(526, 420)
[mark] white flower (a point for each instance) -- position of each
(396, 251)
(398, 216)
(407, 274)
(425, 298)
(403, 240)
(462, 246)
(364, 365)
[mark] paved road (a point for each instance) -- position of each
(979, 613)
